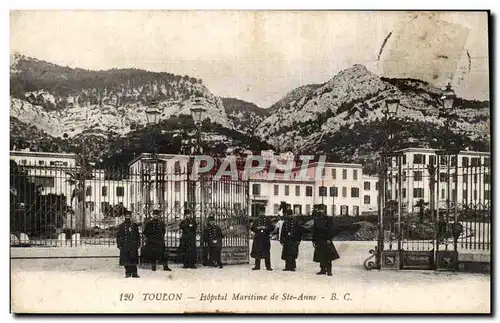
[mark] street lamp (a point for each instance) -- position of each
(197, 112)
(448, 98)
(153, 117)
(390, 112)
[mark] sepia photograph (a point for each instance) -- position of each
(250, 162)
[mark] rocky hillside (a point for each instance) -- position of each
(344, 117)
(245, 116)
(70, 104)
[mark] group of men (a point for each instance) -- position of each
(290, 236)
(154, 250)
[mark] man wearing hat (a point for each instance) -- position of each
(261, 246)
(324, 250)
(187, 243)
(154, 250)
(290, 238)
(128, 240)
(212, 236)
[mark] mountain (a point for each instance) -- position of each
(344, 118)
(245, 116)
(97, 108)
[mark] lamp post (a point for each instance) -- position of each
(152, 117)
(450, 150)
(390, 112)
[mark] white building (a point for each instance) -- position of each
(473, 180)
(340, 186)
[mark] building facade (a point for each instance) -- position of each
(464, 179)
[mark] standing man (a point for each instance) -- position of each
(212, 236)
(261, 246)
(324, 250)
(187, 244)
(154, 232)
(128, 240)
(290, 238)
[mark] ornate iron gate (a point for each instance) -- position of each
(433, 205)
(62, 206)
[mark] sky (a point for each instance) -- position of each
(259, 56)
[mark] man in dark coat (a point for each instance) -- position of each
(155, 250)
(324, 250)
(290, 238)
(212, 236)
(187, 243)
(128, 240)
(261, 246)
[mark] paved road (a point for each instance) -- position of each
(90, 285)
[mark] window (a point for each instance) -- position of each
(465, 178)
(376, 186)
(287, 190)
(366, 199)
(404, 176)
(487, 162)
(366, 186)
(238, 188)
(334, 173)
(475, 178)
(177, 186)
(227, 188)
(309, 191)
(41, 162)
(276, 190)
(52, 163)
(308, 209)
(65, 163)
(344, 191)
(297, 190)
(355, 210)
(344, 210)
(344, 174)
(417, 176)
(355, 174)
(44, 181)
(465, 194)
(443, 160)
(323, 172)
(90, 205)
(120, 191)
(333, 191)
(237, 206)
(419, 159)
(276, 208)
(443, 193)
(88, 191)
(322, 191)
(104, 191)
(404, 192)
(487, 195)
(354, 191)
(255, 189)
(418, 193)
(453, 161)
(24, 162)
(177, 206)
(453, 195)
(404, 159)
(465, 161)
(475, 162)
(475, 194)
(104, 207)
(432, 160)
(177, 167)
(443, 177)
(297, 209)
(333, 209)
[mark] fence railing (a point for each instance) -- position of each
(71, 206)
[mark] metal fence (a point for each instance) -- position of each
(444, 204)
(75, 206)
